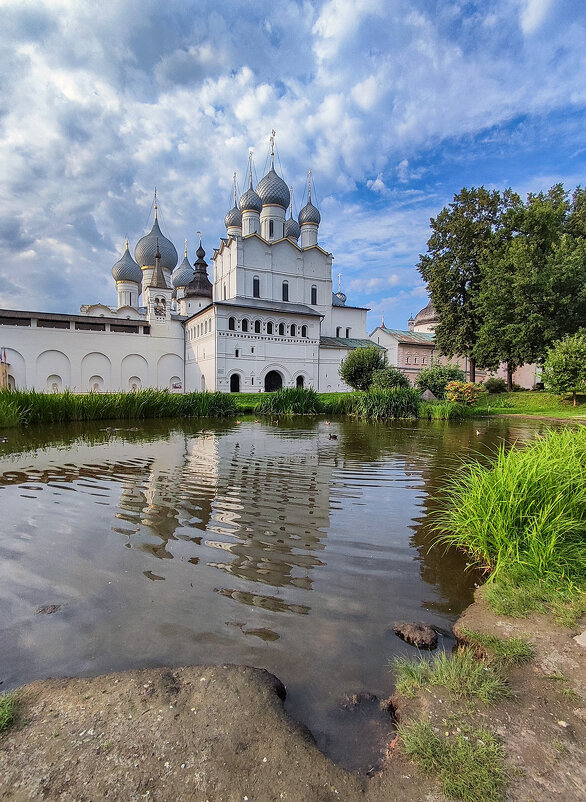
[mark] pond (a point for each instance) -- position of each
(293, 547)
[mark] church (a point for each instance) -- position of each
(268, 317)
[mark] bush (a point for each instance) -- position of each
(495, 385)
(398, 402)
(290, 401)
(386, 378)
(358, 367)
(463, 392)
(564, 369)
(436, 377)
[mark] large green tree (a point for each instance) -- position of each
(359, 366)
(463, 233)
(564, 370)
(533, 289)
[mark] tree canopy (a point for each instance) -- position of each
(506, 277)
(358, 367)
(564, 370)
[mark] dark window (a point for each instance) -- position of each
(299, 381)
(53, 324)
(314, 295)
(224, 292)
(285, 291)
(146, 330)
(257, 326)
(304, 331)
(15, 321)
(338, 331)
(234, 383)
(347, 333)
(231, 324)
(245, 325)
(269, 328)
(271, 228)
(256, 287)
(237, 352)
(127, 329)
(293, 329)
(281, 329)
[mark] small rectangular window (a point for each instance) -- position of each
(347, 334)
(285, 291)
(314, 295)
(271, 228)
(256, 287)
(237, 352)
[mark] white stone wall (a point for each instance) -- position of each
(49, 359)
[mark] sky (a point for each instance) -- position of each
(394, 105)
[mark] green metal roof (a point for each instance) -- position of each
(347, 342)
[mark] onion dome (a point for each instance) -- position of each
(309, 213)
(145, 250)
(292, 228)
(126, 269)
(426, 315)
(233, 217)
(250, 201)
(183, 273)
(200, 285)
(272, 190)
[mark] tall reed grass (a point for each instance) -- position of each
(524, 515)
(444, 410)
(31, 407)
(290, 401)
(398, 402)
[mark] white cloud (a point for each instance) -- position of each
(533, 14)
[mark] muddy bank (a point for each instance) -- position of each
(199, 733)
(221, 734)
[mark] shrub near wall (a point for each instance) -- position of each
(463, 392)
(399, 402)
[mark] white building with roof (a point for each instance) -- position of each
(268, 318)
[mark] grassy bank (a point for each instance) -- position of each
(30, 407)
(523, 520)
(538, 403)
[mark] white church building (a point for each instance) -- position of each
(268, 319)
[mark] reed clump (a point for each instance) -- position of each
(290, 401)
(382, 404)
(523, 517)
(31, 407)
(444, 410)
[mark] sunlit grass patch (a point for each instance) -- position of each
(470, 765)
(500, 651)
(462, 674)
(7, 710)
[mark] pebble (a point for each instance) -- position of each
(563, 724)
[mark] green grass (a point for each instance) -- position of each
(462, 674)
(398, 402)
(470, 765)
(529, 402)
(444, 410)
(519, 592)
(290, 401)
(7, 710)
(503, 652)
(523, 519)
(31, 407)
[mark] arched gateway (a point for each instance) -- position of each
(273, 381)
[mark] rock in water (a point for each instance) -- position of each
(417, 634)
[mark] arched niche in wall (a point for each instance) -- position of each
(168, 366)
(16, 369)
(53, 363)
(134, 366)
(96, 365)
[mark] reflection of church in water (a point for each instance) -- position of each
(254, 506)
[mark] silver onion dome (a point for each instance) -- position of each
(126, 269)
(145, 250)
(250, 201)
(426, 315)
(292, 228)
(273, 191)
(233, 217)
(309, 214)
(182, 274)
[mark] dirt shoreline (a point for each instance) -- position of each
(220, 733)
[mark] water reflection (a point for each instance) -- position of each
(274, 546)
